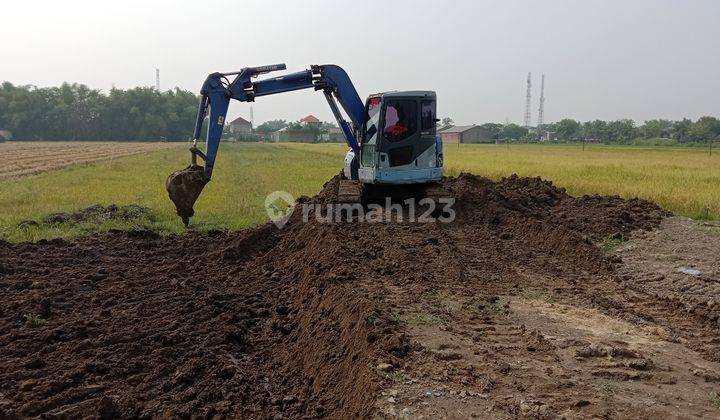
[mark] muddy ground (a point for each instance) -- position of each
(530, 304)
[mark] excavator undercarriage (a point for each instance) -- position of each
(350, 191)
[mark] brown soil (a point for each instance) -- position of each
(515, 309)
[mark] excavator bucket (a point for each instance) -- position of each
(184, 188)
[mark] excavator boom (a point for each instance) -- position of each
(185, 186)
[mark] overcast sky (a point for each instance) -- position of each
(602, 59)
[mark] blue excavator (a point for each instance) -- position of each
(392, 137)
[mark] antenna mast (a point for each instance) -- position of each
(526, 121)
(157, 80)
(541, 110)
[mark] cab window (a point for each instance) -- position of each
(372, 110)
(427, 117)
(400, 119)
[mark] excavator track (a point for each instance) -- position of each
(355, 192)
(435, 192)
(350, 191)
(428, 200)
(437, 196)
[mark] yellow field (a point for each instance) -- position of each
(683, 180)
(27, 158)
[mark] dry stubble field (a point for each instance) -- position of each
(27, 158)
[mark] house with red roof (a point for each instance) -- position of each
(310, 120)
(240, 126)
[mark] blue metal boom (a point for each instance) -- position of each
(218, 90)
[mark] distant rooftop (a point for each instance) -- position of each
(458, 128)
(239, 120)
(310, 118)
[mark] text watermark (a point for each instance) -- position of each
(280, 206)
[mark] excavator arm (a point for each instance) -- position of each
(217, 92)
(184, 187)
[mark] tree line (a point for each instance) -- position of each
(77, 112)
(624, 131)
(275, 125)
(703, 130)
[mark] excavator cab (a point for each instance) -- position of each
(399, 143)
(399, 147)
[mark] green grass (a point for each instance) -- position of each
(234, 199)
(683, 180)
(715, 400)
(610, 244)
(34, 321)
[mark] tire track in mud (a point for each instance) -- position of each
(523, 372)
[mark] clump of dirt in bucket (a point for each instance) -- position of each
(184, 188)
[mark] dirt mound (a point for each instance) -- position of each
(481, 199)
(299, 321)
